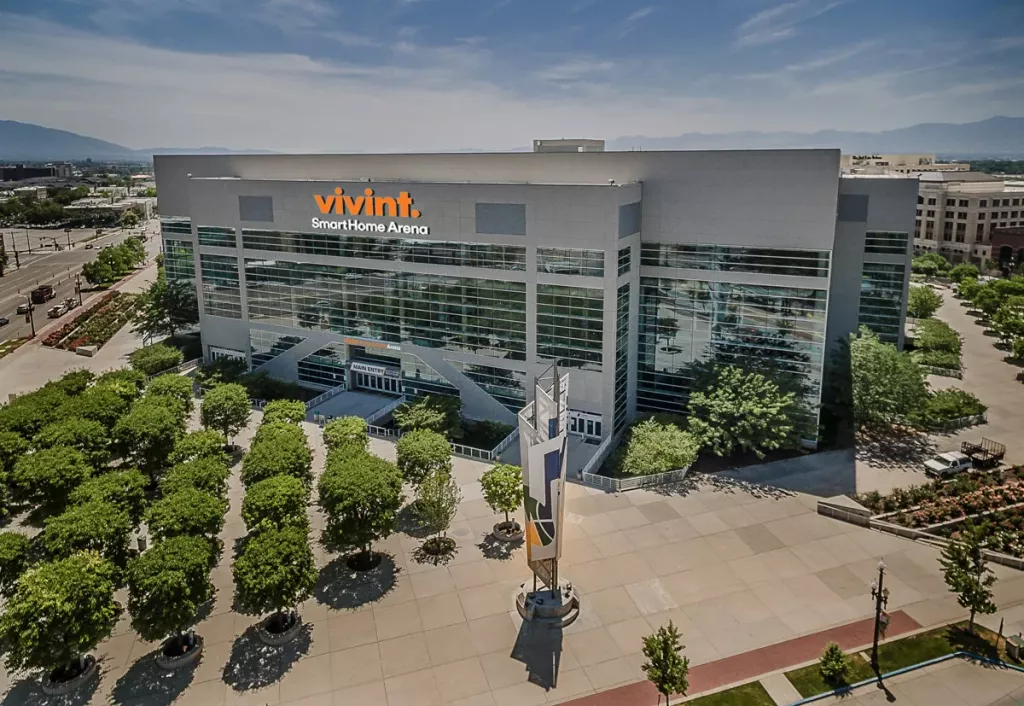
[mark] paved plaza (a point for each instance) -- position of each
(735, 567)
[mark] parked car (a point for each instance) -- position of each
(23, 308)
(947, 464)
(89, 246)
(57, 311)
(4, 321)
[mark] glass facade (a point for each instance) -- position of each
(429, 252)
(881, 299)
(175, 226)
(624, 257)
(726, 258)
(179, 260)
(506, 386)
(886, 243)
(216, 236)
(485, 317)
(221, 295)
(569, 261)
(621, 356)
(685, 322)
(570, 326)
(265, 345)
(326, 367)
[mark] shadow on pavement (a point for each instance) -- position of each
(539, 647)
(28, 692)
(253, 665)
(339, 587)
(147, 683)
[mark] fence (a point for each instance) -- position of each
(320, 399)
(504, 443)
(382, 432)
(386, 410)
(177, 370)
(942, 372)
(457, 449)
(961, 422)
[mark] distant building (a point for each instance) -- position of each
(21, 172)
(563, 145)
(897, 163)
(1008, 247)
(98, 204)
(38, 192)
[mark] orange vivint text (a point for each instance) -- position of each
(367, 205)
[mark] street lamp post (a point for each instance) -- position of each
(881, 596)
(29, 318)
(67, 232)
(28, 241)
(78, 288)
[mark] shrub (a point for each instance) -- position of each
(938, 359)
(89, 437)
(923, 302)
(74, 382)
(484, 434)
(361, 495)
(1018, 348)
(654, 447)
(59, 611)
(935, 335)
(434, 413)
(205, 443)
(206, 474)
(226, 408)
(275, 571)
(930, 264)
(14, 558)
(125, 489)
(156, 358)
(126, 382)
(12, 447)
(949, 404)
(188, 511)
(176, 388)
(94, 526)
(275, 503)
(167, 584)
(965, 270)
(278, 449)
(502, 484)
(834, 665)
(288, 411)
(27, 414)
(47, 477)
(422, 452)
(346, 431)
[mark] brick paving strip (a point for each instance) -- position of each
(746, 666)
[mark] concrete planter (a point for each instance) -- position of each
(275, 639)
(165, 661)
(500, 533)
(57, 688)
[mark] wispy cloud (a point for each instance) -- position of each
(641, 13)
(815, 64)
(781, 22)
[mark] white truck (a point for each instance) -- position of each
(947, 464)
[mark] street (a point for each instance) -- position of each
(56, 268)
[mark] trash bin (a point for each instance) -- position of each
(1014, 643)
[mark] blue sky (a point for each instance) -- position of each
(319, 75)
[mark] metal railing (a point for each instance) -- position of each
(386, 410)
(471, 452)
(603, 449)
(960, 422)
(589, 476)
(382, 432)
(320, 399)
(942, 372)
(178, 369)
(504, 443)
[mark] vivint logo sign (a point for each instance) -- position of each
(368, 205)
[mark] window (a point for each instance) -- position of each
(1013, 214)
(920, 199)
(931, 202)
(963, 203)
(962, 216)
(175, 226)
(980, 233)
(568, 261)
(930, 214)
(918, 213)
(806, 263)
(885, 243)
(179, 261)
(1004, 214)
(949, 215)
(629, 219)
(570, 325)
(951, 202)
(266, 345)
(621, 355)
(983, 203)
(221, 295)
(1016, 202)
(981, 216)
(624, 257)
(216, 236)
(881, 299)
(325, 367)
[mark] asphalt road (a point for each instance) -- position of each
(49, 267)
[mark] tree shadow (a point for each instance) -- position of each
(254, 665)
(29, 692)
(147, 682)
(900, 449)
(339, 587)
(409, 523)
(439, 553)
(539, 647)
(496, 549)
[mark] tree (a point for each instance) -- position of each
(59, 612)
(87, 436)
(436, 413)
(930, 264)
(655, 447)
(204, 443)
(156, 358)
(168, 306)
(361, 495)
(14, 560)
(166, 587)
(935, 335)
(834, 665)
(346, 431)
(146, 435)
(275, 503)
(206, 474)
(275, 572)
(1008, 321)
(287, 411)
(27, 414)
(888, 386)
(125, 489)
(666, 668)
(422, 452)
(94, 526)
(187, 511)
(1018, 348)
(126, 382)
(100, 403)
(129, 219)
(437, 500)
(668, 326)
(98, 273)
(74, 382)
(47, 477)
(12, 447)
(226, 408)
(502, 484)
(175, 388)
(966, 571)
(965, 270)
(923, 302)
(968, 288)
(278, 449)
(734, 409)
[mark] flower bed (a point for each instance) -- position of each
(937, 490)
(1004, 532)
(96, 325)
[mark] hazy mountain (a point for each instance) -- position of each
(999, 136)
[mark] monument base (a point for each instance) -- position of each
(558, 608)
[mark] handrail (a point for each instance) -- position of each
(599, 455)
(187, 365)
(386, 409)
(505, 443)
(323, 397)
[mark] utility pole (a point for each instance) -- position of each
(78, 288)
(28, 242)
(67, 232)
(28, 316)
(881, 596)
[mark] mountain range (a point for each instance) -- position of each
(995, 137)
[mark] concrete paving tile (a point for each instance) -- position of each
(460, 680)
(708, 523)
(354, 666)
(484, 699)
(613, 544)
(571, 683)
(659, 511)
(351, 630)
(629, 634)
(843, 582)
(369, 694)
(481, 601)
(758, 539)
(525, 694)
(593, 646)
(676, 530)
(414, 689)
(438, 611)
(579, 551)
(307, 677)
(651, 596)
(611, 673)
(493, 633)
(598, 525)
(611, 605)
(450, 644)
(432, 583)
(645, 537)
(502, 671)
(627, 518)
(396, 620)
(404, 654)
(265, 696)
(728, 546)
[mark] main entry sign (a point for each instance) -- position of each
(369, 204)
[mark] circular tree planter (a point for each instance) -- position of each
(177, 653)
(66, 680)
(508, 531)
(439, 546)
(364, 561)
(279, 628)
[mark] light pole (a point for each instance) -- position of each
(78, 288)
(28, 317)
(881, 596)
(67, 232)
(28, 241)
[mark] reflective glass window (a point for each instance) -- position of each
(570, 325)
(571, 261)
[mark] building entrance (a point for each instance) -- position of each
(376, 378)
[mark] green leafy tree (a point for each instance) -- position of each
(226, 408)
(968, 288)
(206, 474)
(188, 511)
(930, 264)
(657, 447)
(126, 382)
(433, 413)
(966, 571)
(738, 410)
(87, 436)
(94, 526)
(14, 560)
(935, 335)
(175, 388)
(346, 431)
(287, 411)
(275, 572)
(145, 436)
(278, 449)
(129, 219)
(1008, 321)
(275, 503)
(665, 666)
(502, 484)
(1017, 351)
(12, 447)
(98, 273)
(361, 495)
(74, 382)
(422, 452)
(834, 665)
(100, 403)
(167, 585)
(923, 302)
(59, 611)
(156, 358)
(168, 306)
(204, 443)
(125, 489)
(48, 477)
(27, 414)
(888, 386)
(949, 404)
(987, 300)
(965, 270)
(437, 500)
